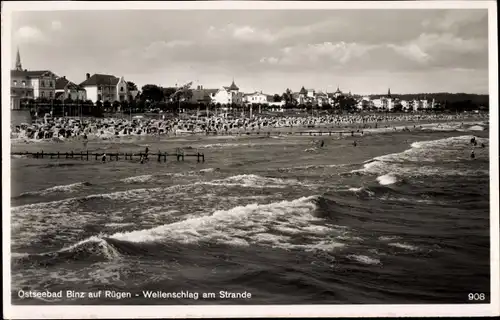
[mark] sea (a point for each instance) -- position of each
(400, 218)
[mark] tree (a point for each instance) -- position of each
(131, 86)
(152, 92)
(107, 106)
(97, 111)
(116, 105)
(398, 107)
(288, 97)
(276, 98)
(167, 92)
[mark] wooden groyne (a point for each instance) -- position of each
(116, 156)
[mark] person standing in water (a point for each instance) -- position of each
(472, 155)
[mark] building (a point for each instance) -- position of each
(405, 105)
(321, 99)
(228, 95)
(31, 84)
(337, 93)
(66, 89)
(202, 95)
(386, 103)
(257, 98)
(364, 103)
(104, 87)
(302, 96)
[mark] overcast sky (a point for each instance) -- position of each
(365, 51)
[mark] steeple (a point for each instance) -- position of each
(19, 67)
(233, 86)
(389, 93)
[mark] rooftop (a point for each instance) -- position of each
(100, 79)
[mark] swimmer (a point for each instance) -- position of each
(472, 155)
(354, 143)
(322, 143)
(483, 145)
(103, 157)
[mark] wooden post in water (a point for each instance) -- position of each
(36, 155)
(81, 155)
(42, 154)
(87, 155)
(159, 156)
(203, 157)
(96, 156)
(165, 157)
(57, 154)
(117, 156)
(72, 155)
(198, 157)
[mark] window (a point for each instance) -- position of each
(121, 89)
(15, 82)
(99, 97)
(43, 83)
(42, 94)
(50, 94)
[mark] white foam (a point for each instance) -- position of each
(403, 246)
(66, 188)
(118, 225)
(476, 128)
(387, 179)
(256, 181)
(138, 179)
(245, 225)
(364, 259)
(412, 162)
(355, 189)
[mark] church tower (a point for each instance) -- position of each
(19, 66)
(389, 93)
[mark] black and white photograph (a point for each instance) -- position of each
(250, 158)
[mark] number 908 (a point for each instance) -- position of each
(477, 297)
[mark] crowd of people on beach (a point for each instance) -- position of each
(106, 128)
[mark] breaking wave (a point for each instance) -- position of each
(255, 181)
(67, 188)
(269, 225)
(387, 179)
(421, 160)
(138, 179)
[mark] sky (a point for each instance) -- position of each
(362, 51)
